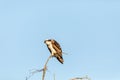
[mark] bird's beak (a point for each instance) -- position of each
(45, 41)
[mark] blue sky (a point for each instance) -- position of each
(89, 31)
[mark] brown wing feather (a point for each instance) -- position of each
(57, 46)
(59, 51)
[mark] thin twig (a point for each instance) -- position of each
(33, 72)
(45, 67)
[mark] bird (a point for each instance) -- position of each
(55, 49)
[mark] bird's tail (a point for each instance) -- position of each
(60, 59)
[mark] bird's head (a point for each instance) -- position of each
(48, 41)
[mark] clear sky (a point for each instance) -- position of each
(88, 31)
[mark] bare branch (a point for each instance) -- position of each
(45, 67)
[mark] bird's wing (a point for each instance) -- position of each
(57, 47)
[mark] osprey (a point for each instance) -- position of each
(54, 49)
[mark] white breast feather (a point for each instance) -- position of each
(51, 47)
